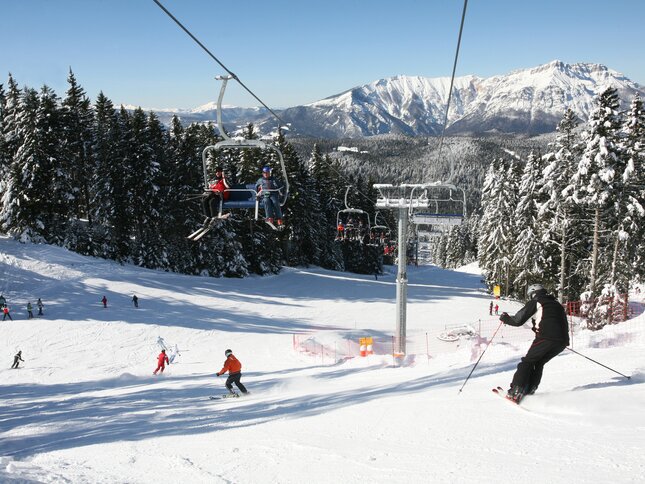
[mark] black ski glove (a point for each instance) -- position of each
(506, 319)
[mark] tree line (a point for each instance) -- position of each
(572, 218)
(109, 182)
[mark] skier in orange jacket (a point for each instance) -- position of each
(162, 359)
(234, 368)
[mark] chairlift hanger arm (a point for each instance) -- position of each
(233, 76)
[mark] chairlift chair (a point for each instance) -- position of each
(346, 216)
(244, 195)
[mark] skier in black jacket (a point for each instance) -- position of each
(551, 338)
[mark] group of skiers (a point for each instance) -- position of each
(267, 189)
(6, 311)
(231, 365)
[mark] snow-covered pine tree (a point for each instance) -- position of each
(112, 197)
(496, 239)
(631, 253)
(77, 118)
(10, 143)
(325, 181)
(183, 183)
(560, 219)
(303, 216)
(529, 257)
(32, 204)
(143, 181)
(4, 154)
(597, 183)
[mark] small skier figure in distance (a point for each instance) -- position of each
(17, 359)
(39, 303)
(104, 301)
(162, 359)
(135, 300)
(234, 368)
(490, 309)
(551, 338)
(6, 314)
(30, 313)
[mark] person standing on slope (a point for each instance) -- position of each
(551, 338)
(234, 368)
(162, 359)
(39, 303)
(30, 313)
(104, 301)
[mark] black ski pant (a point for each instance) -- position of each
(235, 378)
(210, 204)
(529, 370)
(7, 315)
(15, 364)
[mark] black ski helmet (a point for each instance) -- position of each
(533, 289)
(228, 353)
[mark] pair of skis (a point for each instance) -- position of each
(208, 226)
(225, 396)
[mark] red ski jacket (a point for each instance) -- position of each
(232, 365)
(219, 186)
(163, 357)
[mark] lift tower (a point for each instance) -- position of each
(403, 199)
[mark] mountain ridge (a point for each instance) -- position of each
(525, 101)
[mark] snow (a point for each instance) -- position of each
(84, 407)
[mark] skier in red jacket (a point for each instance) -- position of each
(234, 368)
(162, 359)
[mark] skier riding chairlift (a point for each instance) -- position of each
(240, 196)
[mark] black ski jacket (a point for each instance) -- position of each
(551, 320)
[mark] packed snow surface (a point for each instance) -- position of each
(85, 407)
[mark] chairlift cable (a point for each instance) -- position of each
(452, 80)
(218, 61)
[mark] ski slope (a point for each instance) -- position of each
(85, 407)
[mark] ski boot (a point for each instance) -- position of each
(515, 393)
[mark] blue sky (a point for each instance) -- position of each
(296, 52)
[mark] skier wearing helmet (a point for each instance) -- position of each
(268, 188)
(551, 338)
(234, 368)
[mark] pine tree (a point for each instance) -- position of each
(529, 254)
(33, 205)
(496, 236)
(324, 183)
(10, 143)
(596, 182)
(632, 210)
(560, 219)
(77, 154)
(143, 182)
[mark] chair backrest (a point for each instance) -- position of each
(241, 195)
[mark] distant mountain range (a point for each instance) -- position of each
(528, 101)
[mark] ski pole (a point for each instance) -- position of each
(480, 356)
(598, 363)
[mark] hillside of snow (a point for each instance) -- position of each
(85, 407)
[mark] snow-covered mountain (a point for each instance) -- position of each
(527, 101)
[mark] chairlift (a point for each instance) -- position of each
(243, 195)
(352, 223)
(449, 207)
(379, 233)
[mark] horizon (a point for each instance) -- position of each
(136, 55)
